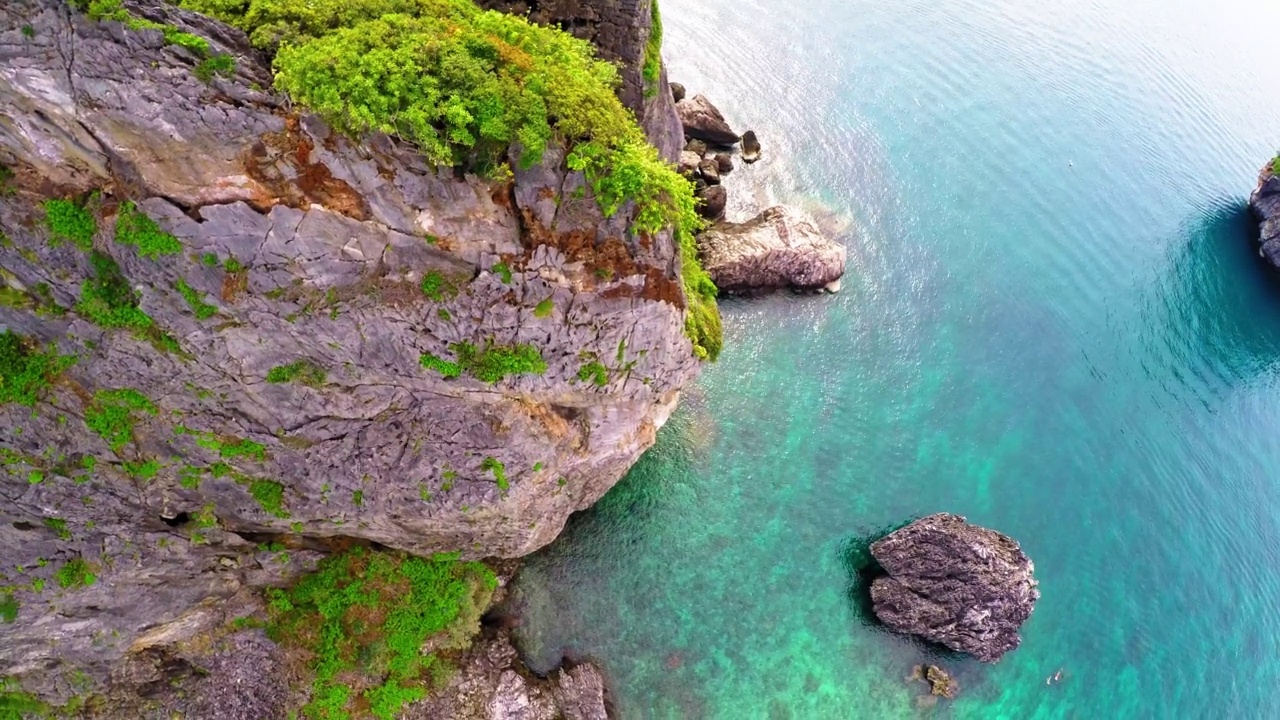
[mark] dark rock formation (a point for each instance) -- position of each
(724, 163)
(710, 171)
(953, 583)
(940, 683)
(779, 248)
(331, 241)
(696, 147)
(677, 92)
(750, 147)
(1265, 203)
(703, 121)
(713, 201)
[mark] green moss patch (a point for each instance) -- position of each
(113, 414)
(134, 227)
(268, 493)
(543, 309)
(444, 367)
(299, 371)
(496, 362)
(594, 372)
(107, 300)
(361, 621)
(436, 286)
(77, 573)
(652, 67)
(68, 221)
(216, 65)
(25, 371)
(495, 466)
(195, 300)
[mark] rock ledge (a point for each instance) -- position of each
(780, 247)
(1265, 203)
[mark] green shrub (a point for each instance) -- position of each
(465, 85)
(107, 299)
(98, 10)
(444, 367)
(25, 373)
(363, 619)
(8, 614)
(133, 227)
(269, 494)
(69, 221)
(299, 371)
(499, 471)
(202, 309)
(1275, 164)
(220, 65)
(496, 362)
(15, 704)
(543, 308)
(595, 372)
(112, 414)
(76, 573)
(652, 67)
(435, 286)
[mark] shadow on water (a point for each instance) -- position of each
(1217, 297)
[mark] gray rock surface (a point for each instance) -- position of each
(677, 92)
(336, 238)
(713, 200)
(779, 248)
(1265, 203)
(703, 121)
(954, 583)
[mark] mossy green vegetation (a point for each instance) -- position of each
(298, 371)
(491, 364)
(15, 704)
(444, 367)
(1275, 164)
(652, 67)
(195, 300)
(436, 286)
(228, 447)
(69, 221)
(543, 309)
(25, 371)
(269, 494)
(465, 85)
(503, 271)
(594, 372)
(495, 466)
(113, 414)
(59, 526)
(134, 227)
(76, 573)
(215, 65)
(113, 10)
(8, 614)
(360, 623)
(107, 300)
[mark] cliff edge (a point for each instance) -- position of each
(1265, 203)
(228, 330)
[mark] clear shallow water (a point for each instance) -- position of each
(1053, 323)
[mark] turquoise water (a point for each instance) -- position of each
(1054, 323)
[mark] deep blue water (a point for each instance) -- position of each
(1053, 323)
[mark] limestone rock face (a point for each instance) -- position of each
(779, 248)
(1265, 203)
(953, 583)
(703, 121)
(311, 249)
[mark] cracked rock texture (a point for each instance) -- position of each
(781, 247)
(954, 583)
(1265, 203)
(335, 238)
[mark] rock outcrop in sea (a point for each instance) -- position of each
(1265, 203)
(244, 331)
(956, 584)
(779, 248)
(703, 121)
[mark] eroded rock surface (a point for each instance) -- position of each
(703, 121)
(1265, 203)
(779, 248)
(954, 583)
(310, 249)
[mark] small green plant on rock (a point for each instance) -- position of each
(496, 362)
(219, 65)
(77, 573)
(68, 221)
(113, 414)
(436, 286)
(299, 371)
(595, 372)
(8, 614)
(1275, 164)
(195, 300)
(503, 271)
(499, 471)
(543, 309)
(362, 621)
(25, 372)
(134, 227)
(59, 526)
(107, 300)
(268, 493)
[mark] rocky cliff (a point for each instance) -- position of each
(1265, 203)
(228, 329)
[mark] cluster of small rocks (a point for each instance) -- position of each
(707, 154)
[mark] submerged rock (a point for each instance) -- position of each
(703, 121)
(941, 683)
(954, 583)
(1265, 203)
(750, 147)
(781, 247)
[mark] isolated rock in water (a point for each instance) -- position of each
(710, 171)
(713, 199)
(1265, 203)
(780, 247)
(580, 693)
(702, 121)
(953, 583)
(941, 683)
(724, 163)
(677, 92)
(750, 146)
